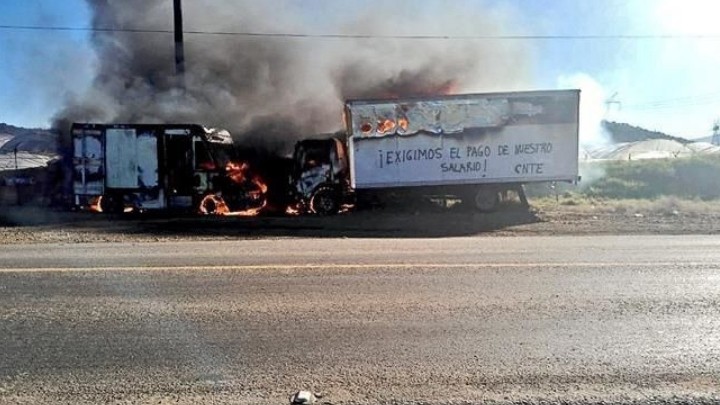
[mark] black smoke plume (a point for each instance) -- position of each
(270, 91)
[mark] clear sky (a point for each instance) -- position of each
(38, 68)
(667, 84)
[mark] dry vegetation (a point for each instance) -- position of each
(666, 205)
(661, 186)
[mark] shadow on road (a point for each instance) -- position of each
(423, 223)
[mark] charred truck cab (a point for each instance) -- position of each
(122, 168)
(320, 181)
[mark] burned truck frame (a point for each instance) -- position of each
(122, 168)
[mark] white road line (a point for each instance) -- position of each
(330, 266)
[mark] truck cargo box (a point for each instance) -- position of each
(516, 137)
(148, 167)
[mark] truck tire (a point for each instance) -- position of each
(486, 199)
(325, 201)
(209, 206)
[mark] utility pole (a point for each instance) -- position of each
(179, 45)
(612, 101)
(16, 180)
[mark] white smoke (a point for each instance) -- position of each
(593, 135)
(593, 108)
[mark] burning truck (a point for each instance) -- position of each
(473, 147)
(123, 168)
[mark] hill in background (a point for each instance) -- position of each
(622, 132)
(32, 140)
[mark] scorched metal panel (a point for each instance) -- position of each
(121, 158)
(469, 139)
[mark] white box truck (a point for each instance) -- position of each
(473, 146)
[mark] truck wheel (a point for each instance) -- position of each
(325, 201)
(209, 206)
(213, 204)
(486, 199)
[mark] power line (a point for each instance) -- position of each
(366, 36)
(676, 106)
(678, 102)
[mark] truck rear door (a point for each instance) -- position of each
(88, 163)
(121, 158)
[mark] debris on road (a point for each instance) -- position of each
(303, 398)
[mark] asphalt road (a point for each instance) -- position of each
(453, 320)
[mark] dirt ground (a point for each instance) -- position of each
(546, 217)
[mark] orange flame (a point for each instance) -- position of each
(250, 212)
(403, 123)
(449, 87)
(213, 205)
(385, 126)
(292, 210)
(95, 204)
(240, 174)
